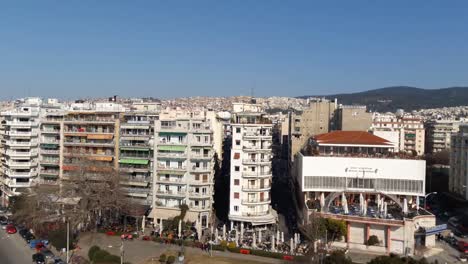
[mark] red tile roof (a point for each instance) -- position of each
(351, 138)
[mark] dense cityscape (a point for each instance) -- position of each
(240, 174)
(227, 132)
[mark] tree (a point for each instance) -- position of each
(89, 194)
(394, 259)
(335, 229)
(313, 231)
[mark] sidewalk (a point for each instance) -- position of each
(138, 251)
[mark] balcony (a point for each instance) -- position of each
(249, 174)
(21, 134)
(171, 193)
(257, 148)
(89, 143)
(201, 169)
(172, 169)
(15, 174)
(25, 144)
(12, 153)
(134, 169)
(138, 136)
(201, 156)
(256, 188)
(165, 142)
(255, 201)
(14, 184)
(49, 173)
(171, 180)
(200, 195)
(256, 135)
(253, 214)
(49, 161)
(89, 120)
(16, 123)
(201, 143)
(200, 183)
(173, 129)
(175, 155)
(50, 131)
(256, 161)
(135, 146)
(143, 182)
(50, 152)
(21, 165)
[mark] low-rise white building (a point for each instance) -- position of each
(356, 177)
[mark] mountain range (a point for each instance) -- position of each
(404, 97)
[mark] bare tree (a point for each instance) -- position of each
(89, 194)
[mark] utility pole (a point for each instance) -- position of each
(122, 252)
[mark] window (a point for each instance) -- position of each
(197, 177)
(237, 142)
(236, 195)
(236, 208)
(205, 178)
(236, 155)
(238, 130)
(236, 182)
(236, 168)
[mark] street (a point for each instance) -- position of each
(13, 249)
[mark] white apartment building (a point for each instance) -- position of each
(458, 178)
(406, 132)
(20, 147)
(183, 173)
(251, 170)
(438, 134)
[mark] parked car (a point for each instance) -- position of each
(10, 229)
(58, 260)
(462, 257)
(35, 243)
(47, 253)
(3, 221)
(38, 258)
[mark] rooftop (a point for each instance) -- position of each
(350, 138)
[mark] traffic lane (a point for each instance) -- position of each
(14, 250)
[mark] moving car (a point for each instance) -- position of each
(10, 229)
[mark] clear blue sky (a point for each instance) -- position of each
(177, 48)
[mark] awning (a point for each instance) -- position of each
(104, 158)
(100, 136)
(172, 148)
(134, 161)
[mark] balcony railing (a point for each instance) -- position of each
(21, 153)
(265, 213)
(172, 154)
(169, 168)
(165, 142)
(255, 188)
(255, 201)
(249, 174)
(170, 180)
(256, 161)
(170, 193)
(200, 169)
(50, 151)
(200, 195)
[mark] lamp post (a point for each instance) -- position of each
(425, 198)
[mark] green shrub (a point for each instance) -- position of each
(219, 247)
(170, 260)
(223, 243)
(93, 251)
(162, 258)
(234, 249)
(373, 240)
(266, 254)
(231, 245)
(157, 239)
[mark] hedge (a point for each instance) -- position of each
(92, 250)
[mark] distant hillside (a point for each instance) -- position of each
(407, 98)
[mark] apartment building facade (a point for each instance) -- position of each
(353, 118)
(439, 133)
(183, 173)
(20, 147)
(251, 168)
(406, 132)
(136, 155)
(458, 177)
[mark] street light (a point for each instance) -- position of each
(425, 198)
